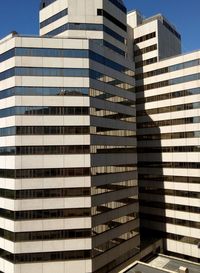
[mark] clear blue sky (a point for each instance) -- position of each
(22, 16)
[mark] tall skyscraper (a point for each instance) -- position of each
(69, 196)
(168, 120)
(68, 148)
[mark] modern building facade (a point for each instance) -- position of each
(69, 196)
(168, 122)
(68, 148)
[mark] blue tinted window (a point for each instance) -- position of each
(52, 52)
(54, 18)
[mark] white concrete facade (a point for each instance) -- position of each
(68, 163)
(168, 122)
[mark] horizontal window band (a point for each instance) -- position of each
(169, 220)
(164, 205)
(63, 72)
(42, 173)
(185, 165)
(44, 214)
(54, 18)
(45, 235)
(45, 256)
(168, 69)
(42, 150)
(146, 62)
(182, 239)
(163, 192)
(108, 16)
(168, 122)
(173, 149)
(86, 27)
(65, 91)
(145, 37)
(44, 193)
(167, 96)
(62, 53)
(169, 178)
(44, 91)
(43, 110)
(171, 108)
(141, 51)
(174, 81)
(191, 134)
(44, 130)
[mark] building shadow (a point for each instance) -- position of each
(150, 175)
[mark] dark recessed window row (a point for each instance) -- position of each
(27, 215)
(113, 115)
(44, 52)
(169, 220)
(112, 132)
(100, 249)
(175, 149)
(162, 178)
(87, 27)
(43, 173)
(44, 91)
(44, 72)
(114, 205)
(45, 256)
(171, 29)
(163, 192)
(119, 4)
(146, 62)
(114, 48)
(63, 53)
(103, 170)
(44, 130)
(192, 134)
(44, 235)
(42, 150)
(167, 109)
(114, 187)
(107, 62)
(167, 69)
(164, 205)
(101, 42)
(167, 96)
(63, 72)
(116, 151)
(145, 37)
(44, 193)
(101, 12)
(182, 239)
(43, 110)
(183, 79)
(169, 122)
(144, 50)
(104, 227)
(185, 165)
(54, 18)
(119, 98)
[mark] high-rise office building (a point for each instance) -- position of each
(168, 123)
(68, 158)
(69, 197)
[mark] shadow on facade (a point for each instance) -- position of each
(150, 176)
